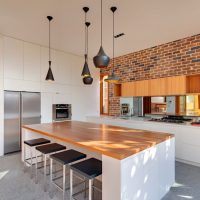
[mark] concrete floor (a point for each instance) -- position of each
(15, 185)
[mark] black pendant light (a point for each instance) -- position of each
(86, 71)
(87, 80)
(49, 76)
(113, 78)
(101, 60)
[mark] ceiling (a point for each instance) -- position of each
(145, 23)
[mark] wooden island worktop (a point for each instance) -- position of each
(116, 142)
(136, 164)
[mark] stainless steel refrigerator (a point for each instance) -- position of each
(20, 108)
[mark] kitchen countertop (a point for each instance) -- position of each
(113, 141)
(142, 120)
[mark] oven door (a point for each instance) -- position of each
(63, 113)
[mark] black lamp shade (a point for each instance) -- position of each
(86, 71)
(101, 60)
(87, 80)
(49, 76)
(112, 78)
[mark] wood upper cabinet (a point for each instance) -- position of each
(128, 89)
(142, 88)
(136, 88)
(193, 84)
(176, 85)
(158, 87)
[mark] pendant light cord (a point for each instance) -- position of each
(49, 41)
(87, 42)
(113, 41)
(85, 34)
(101, 22)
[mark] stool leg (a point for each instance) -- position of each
(90, 189)
(85, 187)
(51, 178)
(71, 184)
(31, 163)
(36, 167)
(45, 172)
(24, 158)
(64, 187)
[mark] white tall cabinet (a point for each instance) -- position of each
(23, 67)
(13, 59)
(1, 97)
(31, 57)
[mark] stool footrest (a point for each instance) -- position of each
(80, 192)
(60, 187)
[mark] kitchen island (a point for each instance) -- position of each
(137, 164)
(187, 147)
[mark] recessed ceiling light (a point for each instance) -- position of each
(119, 35)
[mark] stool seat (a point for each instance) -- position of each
(50, 148)
(36, 142)
(90, 168)
(68, 156)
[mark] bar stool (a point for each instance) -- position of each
(45, 151)
(31, 144)
(64, 159)
(90, 169)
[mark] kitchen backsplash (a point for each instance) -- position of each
(180, 57)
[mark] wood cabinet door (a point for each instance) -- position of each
(142, 88)
(128, 89)
(176, 85)
(193, 85)
(154, 87)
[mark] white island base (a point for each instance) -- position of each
(147, 175)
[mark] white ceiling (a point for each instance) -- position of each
(146, 23)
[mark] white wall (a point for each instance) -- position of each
(23, 67)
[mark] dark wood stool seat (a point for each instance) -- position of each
(50, 148)
(68, 156)
(90, 168)
(35, 142)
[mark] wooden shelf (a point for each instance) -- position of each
(117, 90)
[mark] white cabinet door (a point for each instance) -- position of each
(61, 98)
(46, 107)
(77, 67)
(64, 71)
(1, 60)
(31, 62)
(13, 58)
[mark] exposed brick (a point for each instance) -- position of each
(180, 57)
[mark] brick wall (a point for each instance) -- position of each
(180, 57)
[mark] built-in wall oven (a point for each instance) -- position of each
(62, 112)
